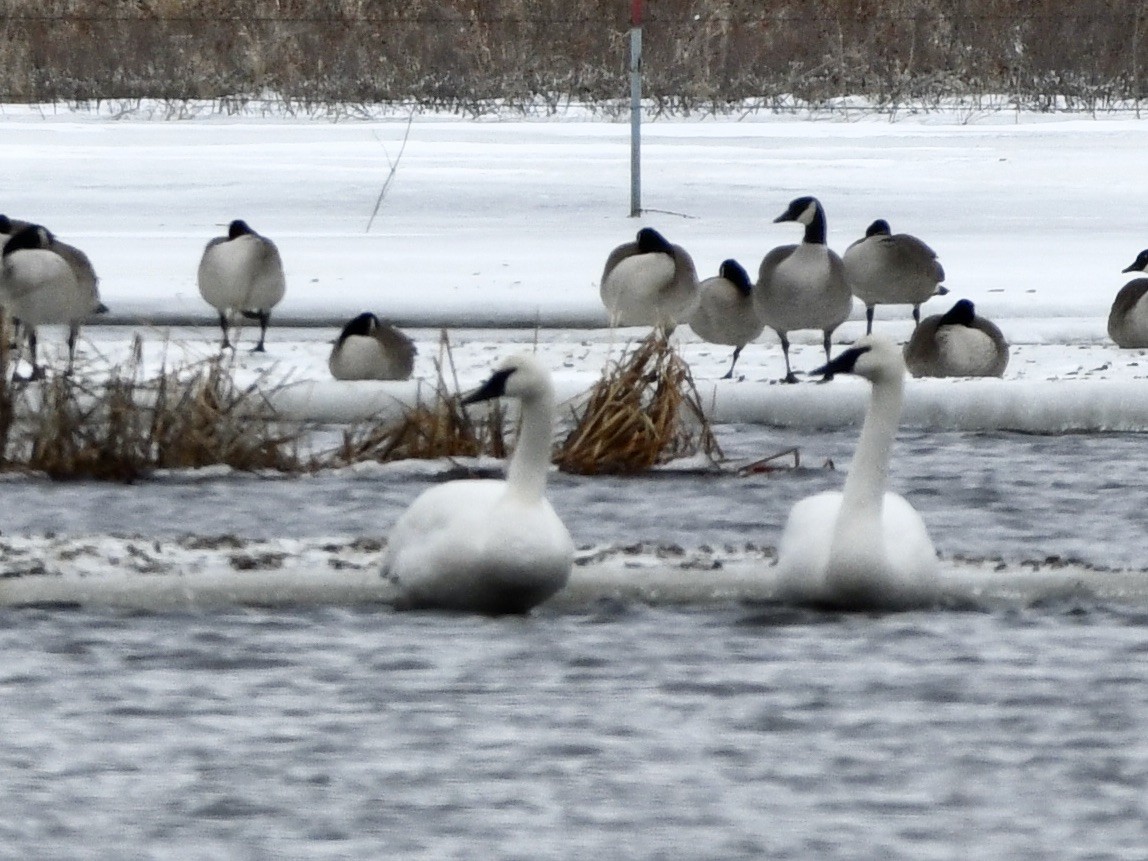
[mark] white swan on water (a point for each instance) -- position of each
(488, 545)
(863, 548)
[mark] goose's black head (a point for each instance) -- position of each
(880, 227)
(652, 242)
(239, 227)
(801, 209)
(5, 224)
(735, 273)
(32, 236)
(961, 314)
(1140, 264)
(365, 324)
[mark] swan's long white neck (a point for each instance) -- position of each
(864, 492)
(526, 474)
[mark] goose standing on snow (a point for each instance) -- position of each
(725, 312)
(863, 548)
(649, 282)
(44, 281)
(1128, 320)
(242, 273)
(368, 349)
(488, 546)
(957, 343)
(802, 286)
(885, 268)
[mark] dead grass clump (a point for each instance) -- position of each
(440, 428)
(644, 411)
(123, 426)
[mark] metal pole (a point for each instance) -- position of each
(635, 108)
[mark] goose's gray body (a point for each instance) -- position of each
(803, 286)
(242, 273)
(43, 282)
(957, 344)
(725, 313)
(886, 268)
(368, 349)
(649, 282)
(1128, 319)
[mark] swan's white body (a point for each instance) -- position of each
(488, 546)
(242, 273)
(370, 350)
(649, 282)
(864, 548)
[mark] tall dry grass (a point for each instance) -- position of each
(700, 55)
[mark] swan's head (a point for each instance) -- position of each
(32, 236)
(1140, 264)
(802, 210)
(522, 377)
(880, 227)
(366, 324)
(874, 357)
(652, 242)
(735, 274)
(961, 314)
(239, 227)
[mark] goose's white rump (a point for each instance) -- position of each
(863, 548)
(488, 546)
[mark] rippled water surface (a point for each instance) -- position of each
(622, 732)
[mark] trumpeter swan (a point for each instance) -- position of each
(368, 349)
(242, 273)
(864, 547)
(957, 343)
(488, 545)
(886, 268)
(725, 312)
(803, 286)
(649, 282)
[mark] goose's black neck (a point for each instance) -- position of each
(815, 230)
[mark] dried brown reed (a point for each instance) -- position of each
(438, 428)
(644, 411)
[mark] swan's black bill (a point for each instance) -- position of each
(495, 387)
(842, 364)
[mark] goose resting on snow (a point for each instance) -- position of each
(488, 545)
(242, 273)
(864, 548)
(957, 343)
(725, 312)
(368, 349)
(649, 282)
(803, 286)
(1128, 319)
(886, 268)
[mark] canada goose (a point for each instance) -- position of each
(649, 282)
(44, 281)
(488, 545)
(370, 350)
(864, 547)
(242, 273)
(885, 268)
(1128, 319)
(802, 286)
(957, 343)
(725, 312)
